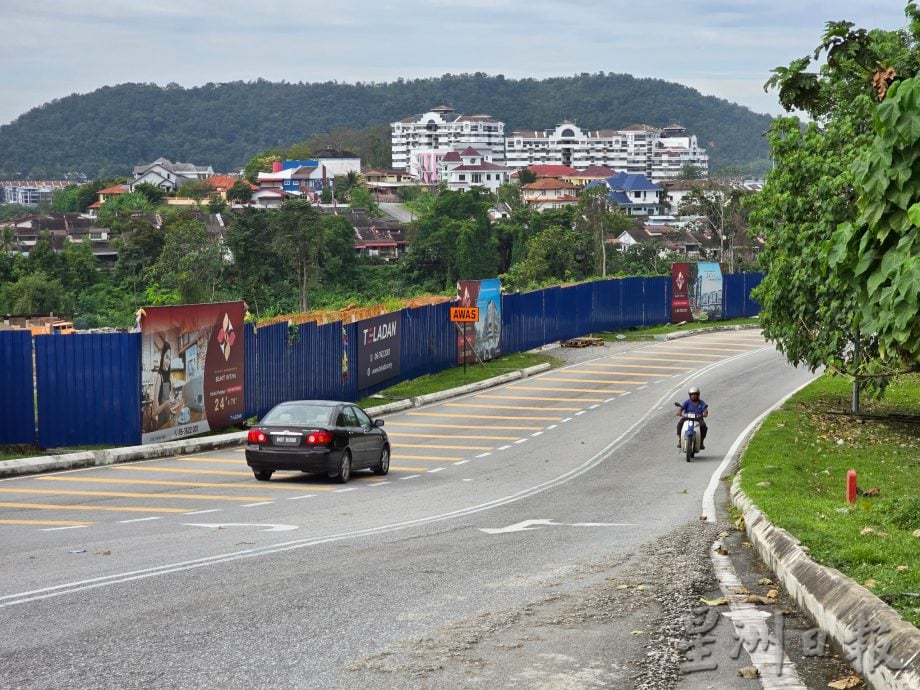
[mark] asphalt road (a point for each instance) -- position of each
(506, 547)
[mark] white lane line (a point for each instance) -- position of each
(537, 433)
(436, 469)
(521, 440)
(660, 380)
(504, 448)
(625, 393)
(260, 503)
(567, 419)
(55, 529)
(641, 387)
(463, 462)
(297, 498)
(342, 491)
(580, 412)
(593, 407)
(609, 400)
(146, 519)
(202, 512)
(467, 480)
(551, 426)
(481, 455)
(411, 476)
(386, 481)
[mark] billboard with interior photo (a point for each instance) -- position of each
(191, 369)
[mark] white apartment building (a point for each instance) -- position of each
(659, 154)
(421, 141)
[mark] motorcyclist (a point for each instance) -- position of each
(698, 406)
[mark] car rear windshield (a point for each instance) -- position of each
(302, 415)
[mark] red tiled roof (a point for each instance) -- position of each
(481, 166)
(552, 170)
(598, 171)
(224, 182)
(470, 151)
(549, 183)
(116, 189)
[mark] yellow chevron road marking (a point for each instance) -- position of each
(595, 379)
(123, 509)
(125, 494)
(475, 437)
(607, 391)
(621, 365)
(539, 397)
(179, 470)
(210, 485)
(514, 407)
(399, 446)
(484, 416)
(403, 456)
(50, 523)
(491, 427)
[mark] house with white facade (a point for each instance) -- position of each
(634, 195)
(167, 175)
(473, 170)
(421, 141)
(548, 193)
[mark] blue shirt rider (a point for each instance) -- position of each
(698, 406)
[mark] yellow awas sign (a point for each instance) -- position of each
(464, 314)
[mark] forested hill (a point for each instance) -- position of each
(110, 130)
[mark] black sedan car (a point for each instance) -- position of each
(317, 436)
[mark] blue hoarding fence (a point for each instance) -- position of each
(88, 387)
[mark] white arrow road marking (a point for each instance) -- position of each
(534, 524)
(219, 525)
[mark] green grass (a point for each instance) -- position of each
(650, 332)
(452, 378)
(795, 471)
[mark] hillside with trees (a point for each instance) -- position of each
(106, 132)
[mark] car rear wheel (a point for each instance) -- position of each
(263, 475)
(383, 466)
(343, 474)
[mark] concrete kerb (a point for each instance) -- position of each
(842, 608)
(707, 329)
(111, 456)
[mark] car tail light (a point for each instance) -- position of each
(256, 436)
(318, 438)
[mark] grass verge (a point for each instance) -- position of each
(453, 378)
(795, 470)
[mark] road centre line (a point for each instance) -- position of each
(436, 469)
(126, 494)
(475, 437)
(521, 440)
(481, 416)
(538, 397)
(261, 503)
(411, 476)
(179, 470)
(593, 407)
(342, 491)
(609, 400)
(146, 519)
(536, 408)
(55, 529)
(64, 507)
(570, 390)
(431, 425)
(642, 387)
(62, 523)
(165, 482)
(503, 448)
(70, 588)
(203, 512)
(552, 426)
(626, 393)
(439, 445)
(463, 462)
(298, 498)
(481, 455)
(567, 419)
(580, 412)
(537, 433)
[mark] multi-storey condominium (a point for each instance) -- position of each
(421, 141)
(659, 154)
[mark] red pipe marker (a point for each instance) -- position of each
(851, 486)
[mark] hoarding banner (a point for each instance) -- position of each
(680, 293)
(191, 369)
(483, 339)
(696, 292)
(378, 349)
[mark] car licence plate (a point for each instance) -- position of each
(287, 440)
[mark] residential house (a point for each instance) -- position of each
(376, 237)
(167, 175)
(473, 171)
(385, 183)
(634, 195)
(61, 228)
(30, 192)
(106, 194)
(549, 192)
(594, 173)
(695, 245)
(224, 183)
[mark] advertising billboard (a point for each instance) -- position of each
(191, 369)
(696, 292)
(378, 349)
(483, 339)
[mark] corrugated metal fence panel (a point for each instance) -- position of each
(17, 402)
(429, 340)
(657, 300)
(567, 313)
(89, 389)
(633, 302)
(736, 295)
(533, 320)
(608, 306)
(511, 323)
(268, 369)
(584, 308)
(552, 298)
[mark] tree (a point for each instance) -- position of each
(124, 205)
(836, 209)
(557, 254)
(688, 171)
(217, 204)
(190, 263)
(153, 193)
(35, 293)
(197, 190)
(595, 216)
(360, 197)
(526, 176)
(240, 192)
(300, 240)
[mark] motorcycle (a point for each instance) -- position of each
(691, 437)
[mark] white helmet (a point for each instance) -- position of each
(693, 389)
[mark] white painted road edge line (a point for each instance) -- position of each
(709, 496)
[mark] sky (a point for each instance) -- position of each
(723, 48)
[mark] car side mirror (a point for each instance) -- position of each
(378, 422)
